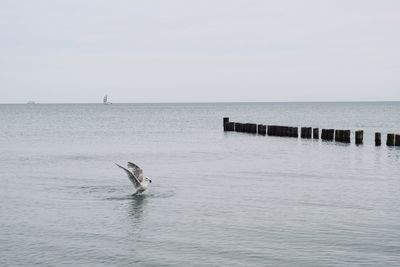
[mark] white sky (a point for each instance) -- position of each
(195, 51)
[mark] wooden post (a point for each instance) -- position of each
(378, 139)
(390, 139)
(226, 120)
(309, 132)
(331, 134)
(270, 130)
(262, 129)
(292, 132)
(247, 127)
(323, 134)
(296, 132)
(338, 135)
(238, 127)
(316, 133)
(282, 131)
(289, 131)
(328, 134)
(397, 140)
(342, 136)
(359, 137)
(230, 126)
(278, 130)
(303, 132)
(250, 128)
(244, 128)
(306, 132)
(346, 136)
(274, 130)
(285, 131)
(253, 128)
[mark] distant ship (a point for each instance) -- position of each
(105, 102)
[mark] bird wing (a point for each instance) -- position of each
(136, 170)
(131, 176)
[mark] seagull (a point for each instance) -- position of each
(135, 175)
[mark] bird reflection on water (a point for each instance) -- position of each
(137, 204)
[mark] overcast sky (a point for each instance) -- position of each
(195, 51)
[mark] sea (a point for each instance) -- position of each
(216, 198)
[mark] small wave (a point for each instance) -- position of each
(129, 197)
(145, 195)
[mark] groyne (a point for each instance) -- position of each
(330, 135)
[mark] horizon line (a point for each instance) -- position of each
(201, 102)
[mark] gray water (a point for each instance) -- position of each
(217, 199)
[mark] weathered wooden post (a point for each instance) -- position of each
(226, 120)
(328, 134)
(285, 131)
(274, 130)
(260, 128)
(289, 131)
(253, 128)
(323, 134)
(338, 135)
(397, 140)
(378, 139)
(238, 127)
(331, 134)
(230, 126)
(295, 132)
(270, 129)
(282, 131)
(244, 127)
(390, 139)
(306, 132)
(247, 127)
(316, 133)
(278, 131)
(359, 137)
(346, 136)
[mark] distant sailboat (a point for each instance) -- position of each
(105, 102)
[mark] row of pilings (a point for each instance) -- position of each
(342, 136)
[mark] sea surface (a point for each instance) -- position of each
(217, 199)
